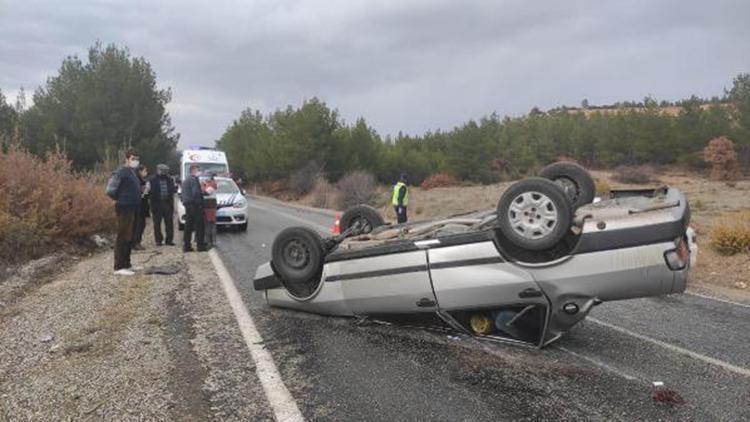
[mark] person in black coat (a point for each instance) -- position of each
(143, 211)
(162, 204)
(192, 199)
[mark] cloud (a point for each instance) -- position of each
(404, 66)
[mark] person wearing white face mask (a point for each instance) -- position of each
(125, 188)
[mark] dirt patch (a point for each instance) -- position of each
(187, 374)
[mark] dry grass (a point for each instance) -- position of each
(439, 180)
(634, 174)
(602, 188)
(731, 235)
(323, 194)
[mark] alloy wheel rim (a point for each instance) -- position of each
(533, 215)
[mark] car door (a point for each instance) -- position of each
(471, 274)
(386, 282)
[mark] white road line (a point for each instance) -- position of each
(598, 363)
(282, 403)
(316, 226)
(718, 299)
(677, 349)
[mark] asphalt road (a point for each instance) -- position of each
(602, 370)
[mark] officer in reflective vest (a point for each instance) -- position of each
(400, 198)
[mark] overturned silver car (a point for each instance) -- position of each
(526, 272)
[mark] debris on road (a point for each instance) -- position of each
(163, 269)
(666, 395)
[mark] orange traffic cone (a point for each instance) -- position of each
(336, 229)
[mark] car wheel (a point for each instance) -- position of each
(534, 214)
(297, 258)
(243, 227)
(365, 215)
(574, 179)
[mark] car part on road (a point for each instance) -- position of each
(367, 216)
(575, 180)
(534, 214)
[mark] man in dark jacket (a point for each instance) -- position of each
(162, 204)
(143, 213)
(125, 188)
(192, 199)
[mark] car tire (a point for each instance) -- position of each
(243, 227)
(364, 213)
(575, 180)
(534, 214)
(297, 258)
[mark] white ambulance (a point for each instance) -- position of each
(213, 161)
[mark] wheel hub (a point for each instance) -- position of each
(569, 187)
(296, 254)
(533, 215)
(365, 227)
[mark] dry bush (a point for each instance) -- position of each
(602, 188)
(272, 187)
(302, 181)
(51, 200)
(638, 175)
(721, 155)
(355, 188)
(19, 240)
(439, 180)
(731, 235)
(323, 193)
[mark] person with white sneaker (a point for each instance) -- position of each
(125, 188)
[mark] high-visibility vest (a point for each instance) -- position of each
(396, 190)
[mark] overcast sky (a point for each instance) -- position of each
(403, 65)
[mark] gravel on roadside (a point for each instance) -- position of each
(87, 344)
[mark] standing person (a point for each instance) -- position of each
(124, 187)
(162, 204)
(400, 198)
(192, 198)
(209, 188)
(143, 213)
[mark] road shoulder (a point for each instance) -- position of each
(149, 347)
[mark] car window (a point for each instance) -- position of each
(227, 186)
(208, 167)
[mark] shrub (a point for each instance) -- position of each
(356, 188)
(48, 201)
(302, 181)
(439, 180)
(731, 235)
(323, 193)
(272, 187)
(602, 188)
(692, 161)
(19, 240)
(723, 159)
(638, 175)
